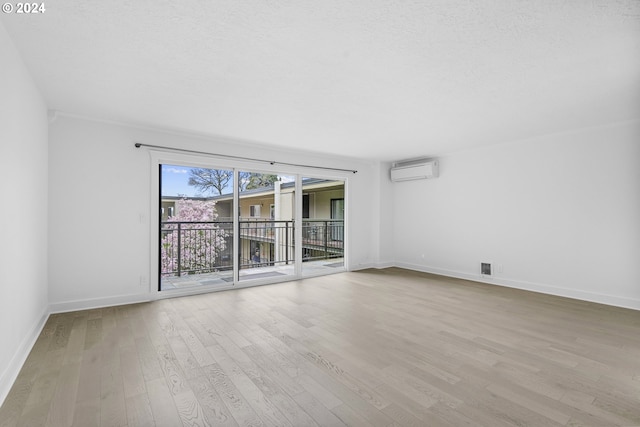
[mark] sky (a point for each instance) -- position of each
(175, 182)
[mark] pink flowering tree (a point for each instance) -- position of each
(192, 242)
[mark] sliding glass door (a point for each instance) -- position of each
(196, 227)
(219, 227)
(266, 225)
(322, 226)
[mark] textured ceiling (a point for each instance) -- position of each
(374, 79)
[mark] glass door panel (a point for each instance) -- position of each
(196, 227)
(323, 228)
(336, 227)
(266, 226)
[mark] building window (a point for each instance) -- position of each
(305, 206)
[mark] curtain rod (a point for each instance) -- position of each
(227, 156)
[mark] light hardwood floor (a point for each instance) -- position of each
(377, 347)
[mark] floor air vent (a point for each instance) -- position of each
(485, 269)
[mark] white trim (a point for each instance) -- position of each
(234, 157)
(159, 157)
(236, 226)
(380, 265)
(10, 374)
(631, 303)
(89, 304)
(346, 225)
(197, 290)
(367, 265)
(297, 233)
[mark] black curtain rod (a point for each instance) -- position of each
(227, 156)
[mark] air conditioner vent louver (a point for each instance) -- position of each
(414, 169)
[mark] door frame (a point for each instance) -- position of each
(159, 157)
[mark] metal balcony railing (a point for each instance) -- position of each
(206, 247)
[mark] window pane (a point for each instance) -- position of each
(322, 226)
(266, 241)
(196, 227)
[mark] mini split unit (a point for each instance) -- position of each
(414, 169)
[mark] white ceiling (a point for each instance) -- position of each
(380, 79)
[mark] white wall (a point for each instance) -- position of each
(560, 214)
(23, 186)
(384, 215)
(99, 195)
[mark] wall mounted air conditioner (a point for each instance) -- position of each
(420, 169)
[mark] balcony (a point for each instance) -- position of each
(200, 253)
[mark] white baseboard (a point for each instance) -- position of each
(613, 300)
(88, 304)
(382, 265)
(362, 266)
(377, 265)
(10, 373)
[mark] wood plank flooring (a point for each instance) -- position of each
(370, 348)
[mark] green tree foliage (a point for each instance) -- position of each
(260, 180)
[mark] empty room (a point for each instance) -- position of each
(357, 213)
